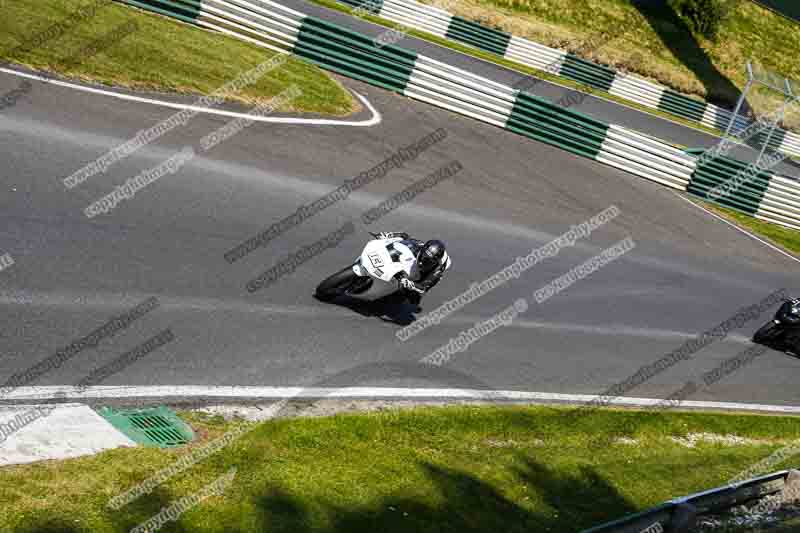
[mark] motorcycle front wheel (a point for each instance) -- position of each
(337, 284)
(768, 332)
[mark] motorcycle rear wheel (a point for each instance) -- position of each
(768, 332)
(337, 284)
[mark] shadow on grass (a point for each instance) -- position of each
(125, 519)
(461, 503)
(679, 39)
(535, 498)
(50, 525)
(145, 508)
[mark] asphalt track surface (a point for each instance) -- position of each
(597, 107)
(688, 272)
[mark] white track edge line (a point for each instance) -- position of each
(372, 121)
(200, 391)
(734, 226)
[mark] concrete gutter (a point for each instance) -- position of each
(30, 433)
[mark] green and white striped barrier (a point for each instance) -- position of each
(735, 184)
(630, 87)
(357, 56)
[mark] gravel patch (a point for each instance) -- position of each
(768, 514)
(510, 443)
(693, 439)
(317, 408)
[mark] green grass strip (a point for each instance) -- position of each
(786, 238)
(456, 469)
(162, 54)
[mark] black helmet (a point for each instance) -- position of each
(430, 255)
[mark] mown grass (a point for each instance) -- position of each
(161, 54)
(784, 237)
(518, 67)
(655, 45)
(455, 469)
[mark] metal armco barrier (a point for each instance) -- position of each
(630, 87)
(787, 8)
(271, 25)
(677, 515)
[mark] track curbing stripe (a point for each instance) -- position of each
(399, 393)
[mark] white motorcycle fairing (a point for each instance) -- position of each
(382, 260)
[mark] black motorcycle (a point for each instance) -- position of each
(782, 332)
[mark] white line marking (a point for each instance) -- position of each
(256, 392)
(372, 121)
(734, 226)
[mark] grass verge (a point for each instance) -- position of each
(659, 45)
(783, 237)
(519, 67)
(442, 469)
(159, 54)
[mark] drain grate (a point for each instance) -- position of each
(158, 426)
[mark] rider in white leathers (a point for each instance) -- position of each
(432, 261)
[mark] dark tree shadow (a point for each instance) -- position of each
(53, 524)
(679, 39)
(127, 518)
(460, 502)
(280, 512)
(145, 508)
(586, 499)
(463, 503)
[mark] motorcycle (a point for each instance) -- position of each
(783, 331)
(371, 277)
